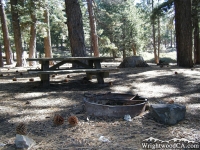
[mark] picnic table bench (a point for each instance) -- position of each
(92, 67)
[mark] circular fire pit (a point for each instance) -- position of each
(114, 104)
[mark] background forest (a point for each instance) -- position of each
(123, 27)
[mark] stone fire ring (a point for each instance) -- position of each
(114, 105)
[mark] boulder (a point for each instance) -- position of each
(168, 114)
(133, 61)
(22, 141)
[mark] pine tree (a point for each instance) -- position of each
(75, 28)
(183, 26)
(8, 52)
(17, 34)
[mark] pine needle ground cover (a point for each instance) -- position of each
(25, 101)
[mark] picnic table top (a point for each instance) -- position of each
(68, 58)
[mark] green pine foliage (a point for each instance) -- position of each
(118, 23)
(121, 24)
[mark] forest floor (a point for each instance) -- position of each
(158, 85)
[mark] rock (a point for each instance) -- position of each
(2, 144)
(22, 141)
(127, 118)
(162, 63)
(168, 114)
(104, 139)
(134, 61)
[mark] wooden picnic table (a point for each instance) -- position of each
(92, 67)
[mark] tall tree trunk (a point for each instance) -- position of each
(6, 41)
(195, 4)
(1, 58)
(57, 42)
(134, 49)
(183, 26)
(154, 38)
(174, 38)
(196, 43)
(75, 28)
(32, 43)
(61, 44)
(17, 34)
(94, 38)
(47, 39)
(124, 36)
(159, 40)
(171, 39)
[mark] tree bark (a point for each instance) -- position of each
(124, 37)
(195, 4)
(75, 28)
(1, 58)
(134, 49)
(154, 38)
(94, 38)
(47, 39)
(32, 42)
(183, 26)
(159, 41)
(6, 41)
(171, 39)
(17, 35)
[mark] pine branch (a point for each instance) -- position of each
(161, 9)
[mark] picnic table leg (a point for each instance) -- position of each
(45, 77)
(89, 76)
(90, 64)
(97, 64)
(100, 78)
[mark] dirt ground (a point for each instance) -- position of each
(158, 85)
